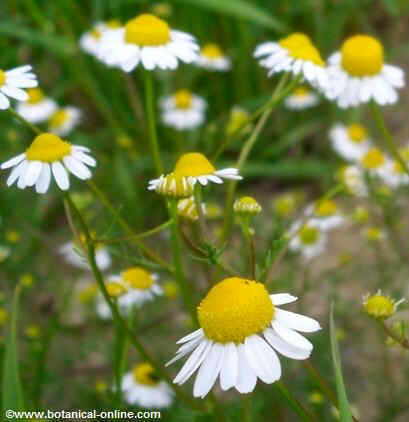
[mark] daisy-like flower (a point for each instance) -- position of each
(142, 387)
(295, 54)
(148, 41)
(307, 238)
(90, 41)
(64, 120)
(49, 155)
(358, 74)
(373, 234)
(247, 206)
(380, 306)
(393, 174)
(374, 162)
(325, 214)
(212, 57)
(183, 110)
(242, 329)
(239, 121)
(350, 142)
(13, 82)
(301, 98)
(37, 108)
(172, 186)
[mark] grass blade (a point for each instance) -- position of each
(12, 388)
(345, 414)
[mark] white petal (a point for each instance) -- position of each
(296, 321)
(286, 349)
(16, 172)
(246, 379)
(60, 175)
(229, 371)
(43, 181)
(292, 337)
(86, 159)
(13, 161)
(14, 92)
(33, 172)
(191, 336)
(77, 168)
(4, 102)
(282, 298)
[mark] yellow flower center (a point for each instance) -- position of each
(373, 159)
(357, 133)
(212, 51)
(2, 77)
(115, 289)
(137, 278)
(59, 118)
(301, 91)
(373, 234)
(48, 148)
(300, 46)
(326, 208)
(96, 33)
(35, 95)
(145, 374)
(379, 306)
(193, 164)
(147, 30)
(234, 309)
(362, 55)
(183, 99)
(309, 235)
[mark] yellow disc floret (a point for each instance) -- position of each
(325, 208)
(300, 46)
(357, 133)
(193, 164)
(183, 99)
(35, 95)
(234, 309)
(379, 306)
(309, 235)
(48, 148)
(144, 374)
(212, 51)
(2, 77)
(59, 118)
(137, 278)
(373, 159)
(301, 91)
(362, 55)
(147, 30)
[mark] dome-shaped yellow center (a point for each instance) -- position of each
(48, 148)
(301, 91)
(309, 235)
(137, 278)
(379, 306)
(2, 77)
(144, 374)
(373, 159)
(234, 309)
(115, 289)
(212, 51)
(35, 95)
(147, 30)
(357, 133)
(193, 164)
(59, 118)
(362, 55)
(326, 208)
(183, 99)
(300, 46)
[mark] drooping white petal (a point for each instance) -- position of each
(43, 181)
(16, 172)
(285, 348)
(296, 321)
(230, 369)
(13, 161)
(282, 298)
(291, 336)
(77, 168)
(33, 172)
(246, 379)
(60, 175)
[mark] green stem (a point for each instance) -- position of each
(32, 127)
(150, 116)
(202, 219)
(389, 142)
(115, 312)
(177, 260)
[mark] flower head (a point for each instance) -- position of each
(307, 238)
(64, 120)
(91, 40)
(49, 155)
(38, 108)
(325, 214)
(358, 74)
(379, 306)
(239, 120)
(172, 185)
(247, 206)
(148, 41)
(242, 328)
(301, 98)
(353, 178)
(211, 57)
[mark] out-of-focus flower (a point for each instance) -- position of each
(13, 236)
(285, 204)
(238, 352)
(353, 178)
(239, 121)
(374, 234)
(171, 289)
(358, 74)
(64, 120)
(316, 397)
(380, 306)
(374, 161)
(393, 174)
(187, 209)
(247, 206)
(38, 108)
(307, 238)
(325, 214)
(183, 110)
(49, 155)
(301, 98)
(360, 215)
(13, 82)
(101, 387)
(212, 57)
(26, 280)
(33, 331)
(295, 54)
(148, 41)
(5, 252)
(87, 292)
(90, 41)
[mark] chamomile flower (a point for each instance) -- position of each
(48, 155)
(148, 41)
(212, 57)
(90, 41)
(301, 98)
(307, 238)
(172, 186)
(195, 167)
(242, 329)
(295, 54)
(246, 206)
(37, 108)
(380, 306)
(239, 121)
(13, 82)
(325, 214)
(183, 110)
(374, 161)
(393, 174)
(144, 388)
(350, 142)
(353, 178)
(64, 120)
(358, 74)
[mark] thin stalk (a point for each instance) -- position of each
(32, 127)
(202, 219)
(251, 247)
(90, 249)
(150, 116)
